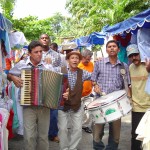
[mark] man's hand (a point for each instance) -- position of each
(147, 63)
(66, 94)
(97, 89)
(17, 80)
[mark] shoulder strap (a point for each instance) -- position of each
(124, 76)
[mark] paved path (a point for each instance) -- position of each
(86, 142)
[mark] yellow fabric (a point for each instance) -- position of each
(87, 85)
(141, 100)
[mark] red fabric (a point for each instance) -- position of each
(8, 64)
(9, 125)
(123, 40)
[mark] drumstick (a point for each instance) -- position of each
(101, 93)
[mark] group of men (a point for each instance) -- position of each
(105, 77)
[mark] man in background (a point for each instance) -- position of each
(87, 65)
(53, 128)
(140, 99)
(49, 55)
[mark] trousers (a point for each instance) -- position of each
(69, 139)
(36, 125)
(113, 139)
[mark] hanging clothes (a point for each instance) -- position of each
(123, 39)
(143, 41)
(4, 114)
(122, 55)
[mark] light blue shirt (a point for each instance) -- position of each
(16, 70)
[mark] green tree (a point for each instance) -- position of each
(95, 14)
(32, 27)
(7, 8)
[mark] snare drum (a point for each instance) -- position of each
(109, 107)
(86, 100)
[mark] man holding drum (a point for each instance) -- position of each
(106, 79)
(140, 99)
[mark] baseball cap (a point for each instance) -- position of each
(132, 49)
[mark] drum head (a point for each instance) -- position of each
(104, 100)
(94, 104)
(112, 96)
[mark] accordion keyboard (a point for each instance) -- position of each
(26, 88)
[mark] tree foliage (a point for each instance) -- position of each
(7, 7)
(32, 27)
(95, 14)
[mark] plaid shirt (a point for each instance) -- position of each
(72, 77)
(108, 76)
(54, 56)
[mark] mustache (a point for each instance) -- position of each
(134, 60)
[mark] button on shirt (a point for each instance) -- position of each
(72, 77)
(108, 76)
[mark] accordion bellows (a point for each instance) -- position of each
(41, 88)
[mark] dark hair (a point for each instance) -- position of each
(55, 45)
(112, 41)
(33, 44)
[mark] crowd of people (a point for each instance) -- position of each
(65, 125)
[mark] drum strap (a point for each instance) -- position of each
(124, 76)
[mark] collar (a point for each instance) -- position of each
(28, 62)
(49, 51)
(108, 61)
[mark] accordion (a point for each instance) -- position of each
(43, 88)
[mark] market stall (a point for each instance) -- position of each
(5, 101)
(135, 30)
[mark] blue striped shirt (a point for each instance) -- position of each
(108, 75)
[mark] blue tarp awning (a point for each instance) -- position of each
(5, 24)
(95, 38)
(82, 41)
(129, 25)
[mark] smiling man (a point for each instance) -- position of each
(140, 99)
(107, 78)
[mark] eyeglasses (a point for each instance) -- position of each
(135, 54)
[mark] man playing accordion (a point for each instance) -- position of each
(36, 119)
